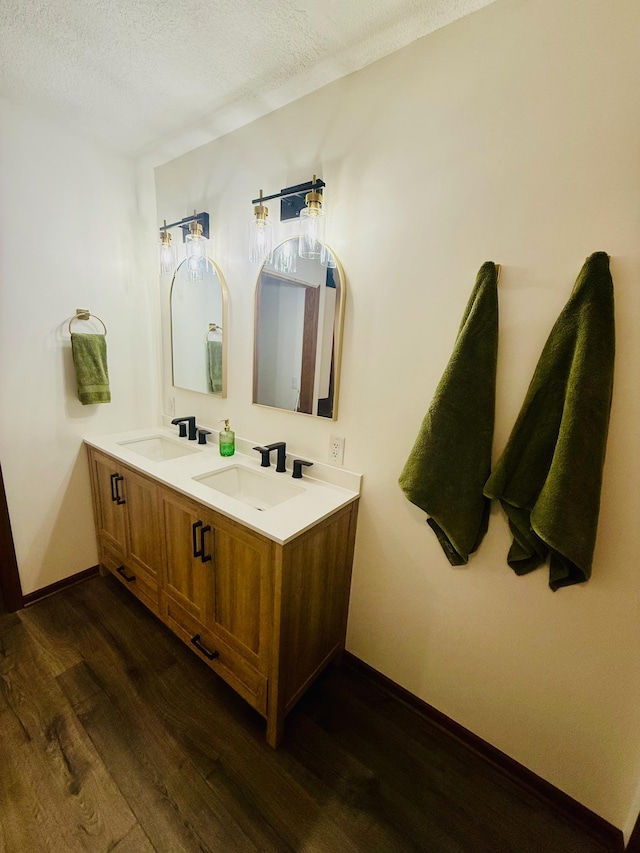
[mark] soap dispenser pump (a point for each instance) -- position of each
(227, 440)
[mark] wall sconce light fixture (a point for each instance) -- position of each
(260, 233)
(166, 252)
(311, 238)
(195, 233)
(196, 248)
(303, 202)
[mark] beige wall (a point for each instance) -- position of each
(69, 240)
(511, 135)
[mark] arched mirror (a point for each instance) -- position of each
(298, 332)
(199, 331)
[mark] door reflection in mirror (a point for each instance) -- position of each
(198, 330)
(299, 308)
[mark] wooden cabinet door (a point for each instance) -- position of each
(111, 514)
(243, 597)
(220, 573)
(189, 567)
(144, 545)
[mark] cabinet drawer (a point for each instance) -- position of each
(229, 665)
(137, 581)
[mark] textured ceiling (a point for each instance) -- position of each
(132, 73)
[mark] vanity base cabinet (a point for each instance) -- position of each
(265, 617)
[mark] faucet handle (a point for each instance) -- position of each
(182, 426)
(202, 435)
(266, 454)
(297, 468)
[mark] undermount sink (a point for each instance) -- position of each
(257, 490)
(158, 448)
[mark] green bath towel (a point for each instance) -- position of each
(549, 476)
(90, 361)
(451, 458)
(214, 366)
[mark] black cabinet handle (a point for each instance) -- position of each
(198, 550)
(196, 642)
(119, 499)
(122, 571)
(204, 557)
(194, 539)
(114, 496)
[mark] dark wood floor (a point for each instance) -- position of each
(115, 737)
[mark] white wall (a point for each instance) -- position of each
(69, 240)
(510, 135)
(280, 335)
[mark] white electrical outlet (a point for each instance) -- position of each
(336, 449)
(171, 405)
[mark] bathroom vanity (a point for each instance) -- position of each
(259, 593)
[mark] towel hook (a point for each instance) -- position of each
(85, 314)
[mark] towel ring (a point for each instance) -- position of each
(213, 327)
(84, 314)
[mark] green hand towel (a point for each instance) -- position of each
(214, 366)
(549, 476)
(451, 458)
(92, 375)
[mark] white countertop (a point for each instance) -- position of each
(319, 496)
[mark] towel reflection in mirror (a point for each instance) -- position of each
(198, 324)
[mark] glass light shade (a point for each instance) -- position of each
(167, 256)
(311, 233)
(260, 240)
(196, 249)
(285, 258)
(327, 258)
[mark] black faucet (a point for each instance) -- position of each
(297, 468)
(281, 447)
(182, 426)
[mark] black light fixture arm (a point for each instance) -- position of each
(202, 218)
(287, 191)
(292, 199)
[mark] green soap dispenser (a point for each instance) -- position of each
(227, 440)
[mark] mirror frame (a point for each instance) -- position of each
(225, 324)
(337, 337)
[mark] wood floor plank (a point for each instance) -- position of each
(55, 637)
(422, 813)
(493, 794)
(134, 842)
(63, 621)
(52, 781)
(163, 793)
(232, 752)
(138, 641)
(169, 797)
(115, 737)
(348, 790)
(489, 816)
(252, 766)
